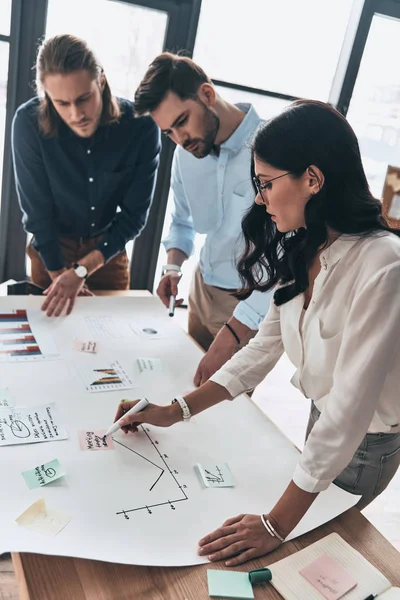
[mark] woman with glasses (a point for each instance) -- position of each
(319, 235)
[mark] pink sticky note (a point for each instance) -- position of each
(94, 440)
(85, 346)
(328, 577)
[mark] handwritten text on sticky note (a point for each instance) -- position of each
(94, 440)
(328, 577)
(43, 474)
(214, 475)
(148, 365)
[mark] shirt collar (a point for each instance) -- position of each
(337, 250)
(246, 129)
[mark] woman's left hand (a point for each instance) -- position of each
(239, 539)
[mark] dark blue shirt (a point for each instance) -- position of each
(73, 187)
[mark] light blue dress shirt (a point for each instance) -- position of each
(211, 196)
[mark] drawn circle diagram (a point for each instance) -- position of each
(19, 429)
(50, 472)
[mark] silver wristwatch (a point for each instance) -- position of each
(167, 268)
(80, 270)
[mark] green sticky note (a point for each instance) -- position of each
(43, 474)
(229, 584)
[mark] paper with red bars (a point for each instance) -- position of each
(328, 577)
(94, 440)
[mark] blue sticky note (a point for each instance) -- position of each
(229, 584)
(43, 474)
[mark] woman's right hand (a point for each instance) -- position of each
(153, 414)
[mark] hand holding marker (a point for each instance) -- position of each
(141, 405)
(172, 300)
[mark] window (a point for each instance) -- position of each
(5, 17)
(289, 47)
(266, 106)
(125, 37)
(374, 111)
(4, 51)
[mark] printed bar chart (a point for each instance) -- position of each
(17, 340)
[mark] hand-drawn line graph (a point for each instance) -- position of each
(146, 459)
(165, 469)
(215, 478)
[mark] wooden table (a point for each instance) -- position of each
(56, 578)
(42, 577)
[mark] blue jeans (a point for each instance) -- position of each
(372, 467)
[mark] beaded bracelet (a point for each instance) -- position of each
(271, 530)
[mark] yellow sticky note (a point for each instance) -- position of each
(40, 519)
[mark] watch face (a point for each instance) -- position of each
(81, 271)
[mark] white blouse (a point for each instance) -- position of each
(347, 352)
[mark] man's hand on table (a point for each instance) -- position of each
(221, 350)
(62, 293)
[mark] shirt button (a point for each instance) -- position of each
(93, 207)
(91, 179)
(93, 224)
(105, 244)
(88, 151)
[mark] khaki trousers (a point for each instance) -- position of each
(114, 275)
(209, 308)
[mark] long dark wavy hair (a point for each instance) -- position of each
(307, 133)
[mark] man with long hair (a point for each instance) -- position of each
(85, 171)
(212, 190)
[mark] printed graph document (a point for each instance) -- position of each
(138, 500)
(23, 338)
(105, 376)
(289, 582)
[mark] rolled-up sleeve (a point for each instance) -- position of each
(248, 367)
(34, 192)
(369, 354)
(181, 233)
(135, 204)
(252, 311)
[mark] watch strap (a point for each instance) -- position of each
(76, 266)
(186, 414)
(175, 268)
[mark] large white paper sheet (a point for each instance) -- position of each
(141, 503)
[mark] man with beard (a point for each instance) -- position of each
(211, 196)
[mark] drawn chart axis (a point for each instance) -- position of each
(166, 471)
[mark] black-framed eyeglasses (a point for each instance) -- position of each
(265, 184)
